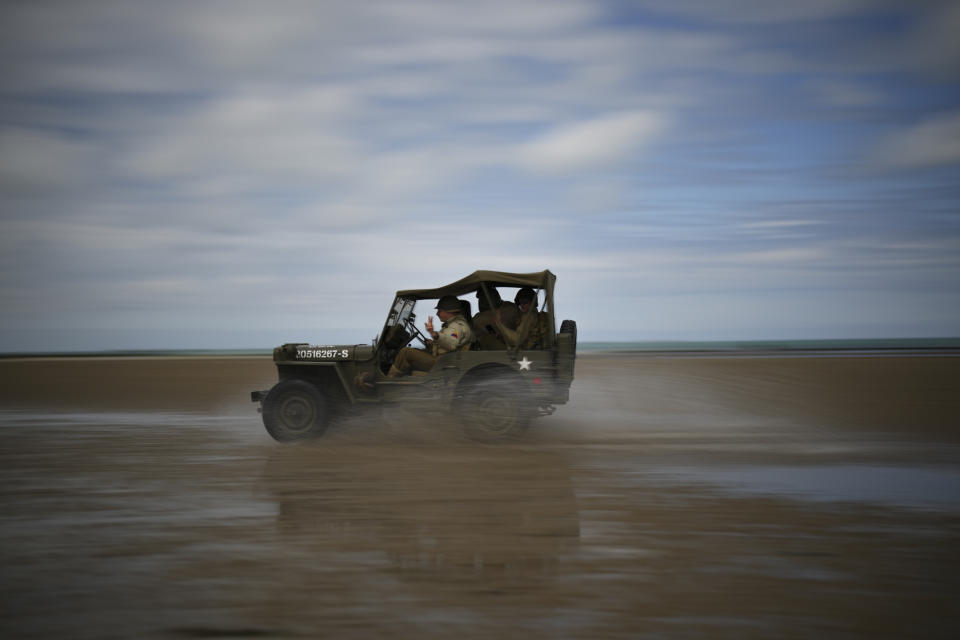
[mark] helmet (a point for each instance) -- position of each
(525, 295)
(449, 303)
(484, 302)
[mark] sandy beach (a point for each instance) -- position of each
(675, 496)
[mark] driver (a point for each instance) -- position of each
(454, 334)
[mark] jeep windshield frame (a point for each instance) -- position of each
(402, 311)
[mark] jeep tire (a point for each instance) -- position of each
(295, 410)
(494, 409)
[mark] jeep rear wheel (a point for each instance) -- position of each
(295, 410)
(494, 409)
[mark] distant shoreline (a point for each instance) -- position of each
(773, 345)
(890, 352)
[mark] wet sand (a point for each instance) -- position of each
(673, 497)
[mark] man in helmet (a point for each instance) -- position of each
(454, 334)
(484, 323)
(533, 326)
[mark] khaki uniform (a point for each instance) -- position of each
(485, 332)
(530, 333)
(454, 334)
(410, 359)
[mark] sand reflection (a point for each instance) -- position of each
(470, 509)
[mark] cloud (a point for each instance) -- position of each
(252, 139)
(39, 161)
(935, 142)
(496, 17)
(776, 224)
(848, 94)
(751, 12)
(932, 45)
(594, 143)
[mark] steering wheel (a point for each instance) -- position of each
(412, 328)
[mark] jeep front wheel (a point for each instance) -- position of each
(295, 410)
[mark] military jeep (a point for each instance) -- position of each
(492, 387)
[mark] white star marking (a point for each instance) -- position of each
(525, 364)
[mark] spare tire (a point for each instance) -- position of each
(570, 327)
(566, 350)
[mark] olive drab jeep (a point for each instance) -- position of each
(495, 384)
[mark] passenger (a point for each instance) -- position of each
(507, 315)
(488, 300)
(524, 298)
(532, 328)
(484, 330)
(454, 333)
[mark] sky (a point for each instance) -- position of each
(240, 174)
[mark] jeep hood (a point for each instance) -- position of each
(304, 352)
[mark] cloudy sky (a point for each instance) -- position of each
(243, 173)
